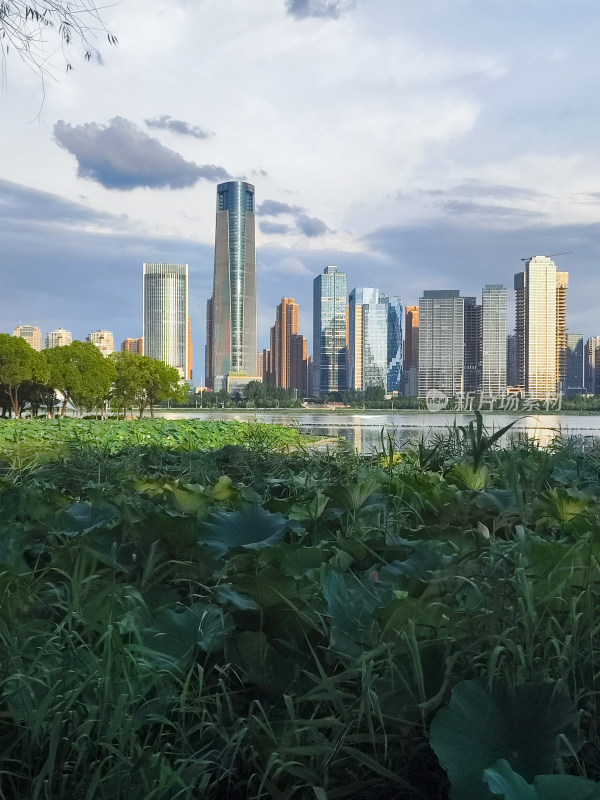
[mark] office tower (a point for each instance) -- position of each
(233, 335)
(31, 334)
(58, 338)
(411, 351)
(512, 373)
(575, 374)
(166, 314)
(329, 332)
(472, 344)
(394, 343)
(287, 324)
(520, 285)
(208, 348)
(133, 345)
(190, 351)
(493, 340)
(367, 339)
(441, 342)
(562, 284)
(299, 364)
(591, 383)
(104, 341)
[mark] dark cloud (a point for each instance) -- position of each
(472, 189)
(311, 226)
(274, 227)
(166, 123)
(273, 208)
(331, 9)
(121, 156)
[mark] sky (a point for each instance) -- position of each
(427, 145)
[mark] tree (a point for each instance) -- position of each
(27, 28)
(144, 382)
(81, 373)
(19, 364)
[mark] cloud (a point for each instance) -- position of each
(274, 227)
(121, 156)
(311, 226)
(166, 123)
(286, 267)
(273, 208)
(331, 9)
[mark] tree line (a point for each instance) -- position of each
(85, 379)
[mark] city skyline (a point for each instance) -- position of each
(468, 152)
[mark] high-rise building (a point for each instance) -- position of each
(472, 344)
(166, 314)
(287, 324)
(592, 384)
(575, 374)
(58, 338)
(133, 345)
(233, 338)
(441, 342)
(190, 351)
(411, 351)
(299, 364)
(208, 349)
(541, 320)
(493, 340)
(512, 372)
(367, 339)
(31, 334)
(329, 331)
(104, 341)
(394, 343)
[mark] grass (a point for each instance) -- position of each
(194, 613)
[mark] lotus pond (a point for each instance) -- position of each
(192, 610)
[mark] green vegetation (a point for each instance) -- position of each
(244, 622)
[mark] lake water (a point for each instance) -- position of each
(363, 430)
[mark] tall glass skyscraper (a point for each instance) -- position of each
(329, 331)
(233, 339)
(367, 339)
(165, 331)
(493, 340)
(395, 350)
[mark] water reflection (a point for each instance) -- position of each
(364, 431)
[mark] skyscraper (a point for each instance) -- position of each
(104, 341)
(441, 342)
(575, 375)
(233, 339)
(493, 340)
(367, 339)
(562, 284)
(287, 324)
(133, 345)
(31, 333)
(165, 331)
(394, 343)
(539, 328)
(58, 338)
(411, 351)
(472, 344)
(329, 331)
(591, 382)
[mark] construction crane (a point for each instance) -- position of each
(551, 255)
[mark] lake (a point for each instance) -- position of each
(363, 430)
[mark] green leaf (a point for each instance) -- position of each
(82, 517)
(509, 785)
(252, 528)
(484, 723)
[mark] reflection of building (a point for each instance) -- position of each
(541, 326)
(166, 314)
(367, 339)
(58, 338)
(394, 343)
(232, 341)
(575, 374)
(441, 342)
(411, 351)
(472, 344)
(329, 332)
(592, 384)
(31, 334)
(103, 340)
(493, 340)
(133, 345)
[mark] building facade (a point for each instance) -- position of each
(133, 345)
(592, 384)
(233, 338)
(472, 344)
(165, 333)
(395, 342)
(31, 334)
(367, 339)
(411, 351)
(493, 340)
(441, 342)
(329, 332)
(104, 341)
(58, 338)
(575, 365)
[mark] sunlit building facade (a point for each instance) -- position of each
(329, 331)
(133, 345)
(165, 293)
(31, 334)
(367, 339)
(493, 340)
(104, 341)
(411, 352)
(58, 338)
